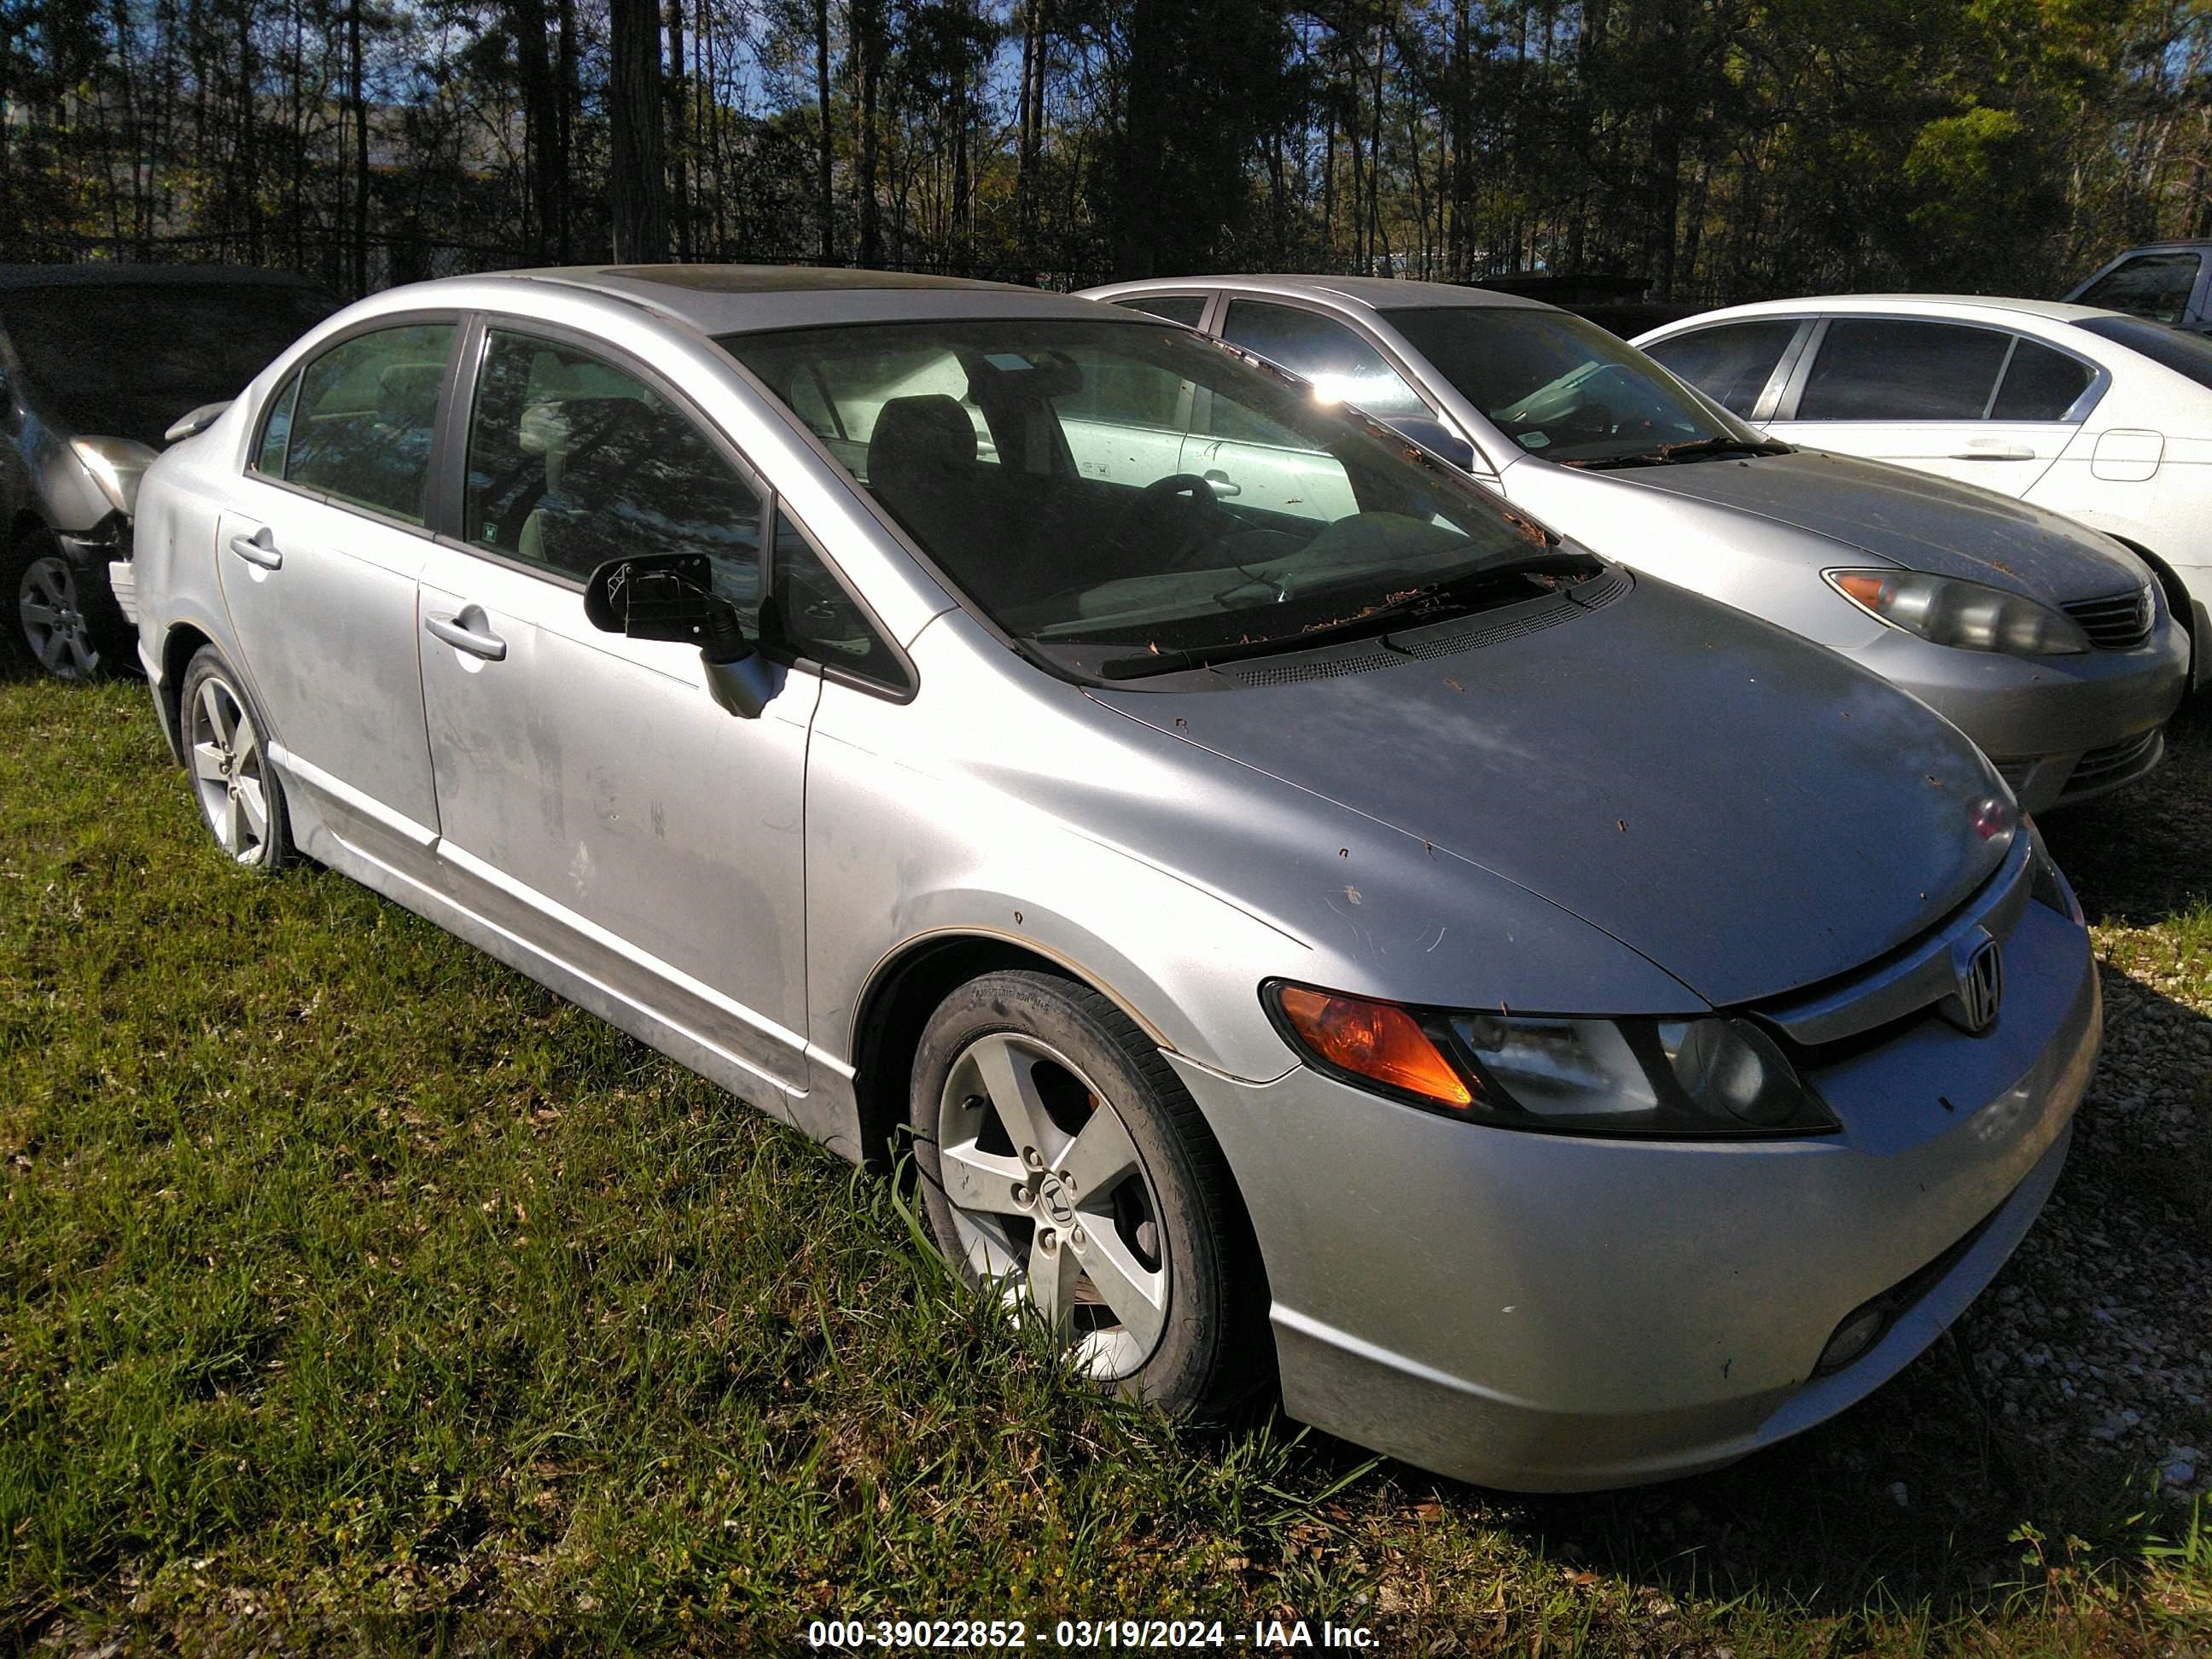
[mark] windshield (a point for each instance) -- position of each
(126, 359)
(1116, 489)
(1564, 388)
(2184, 354)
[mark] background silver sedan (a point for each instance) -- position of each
(2050, 644)
(1568, 1031)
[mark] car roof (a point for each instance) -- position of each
(2191, 242)
(1961, 306)
(731, 298)
(108, 272)
(1376, 293)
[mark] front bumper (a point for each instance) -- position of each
(1548, 1313)
(2060, 729)
(106, 580)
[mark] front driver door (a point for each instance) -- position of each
(319, 555)
(595, 800)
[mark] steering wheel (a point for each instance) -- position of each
(1204, 518)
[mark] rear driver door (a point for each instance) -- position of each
(318, 555)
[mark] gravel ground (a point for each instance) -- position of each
(2095, 1345)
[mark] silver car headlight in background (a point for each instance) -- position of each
(116, 465)
(1656, 1078)
(1945, 611)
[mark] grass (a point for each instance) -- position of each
(356, 1293)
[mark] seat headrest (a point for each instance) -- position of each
(920, 433)
(407, 394)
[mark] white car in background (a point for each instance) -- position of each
(2104, 417)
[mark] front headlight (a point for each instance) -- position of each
(1946, 612)
(115, 464)
(1655, 1078)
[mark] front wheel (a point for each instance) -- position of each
(56, 628)
(1063, 1165)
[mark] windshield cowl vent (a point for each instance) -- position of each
(1445, 639)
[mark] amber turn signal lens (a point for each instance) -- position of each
(1863, 587)
(1374, 1040)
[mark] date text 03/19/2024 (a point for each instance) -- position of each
(1006, 1635)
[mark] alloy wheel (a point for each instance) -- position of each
(228, 770)
(1052, 1202)
(51, 616)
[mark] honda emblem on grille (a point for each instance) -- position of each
(1977, 974)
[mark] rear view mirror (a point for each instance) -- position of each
(195, 422)
(1440, 441)
(671, 596)
(664, 596)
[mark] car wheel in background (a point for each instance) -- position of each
(227, 757)
(53, 623)
(1062, 1160)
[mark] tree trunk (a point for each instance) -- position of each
(1665, 192)
(541, 128)
(637, 186)
(1143, 145)
(568, 102)
(359, 101)
(1029, 153)
(679, 189)
(826, 202)
(869, 50)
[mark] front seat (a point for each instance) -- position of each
(921, 466)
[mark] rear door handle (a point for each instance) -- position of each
(260, 548)
(1997, 452)
(1221, 484)
(489, 647)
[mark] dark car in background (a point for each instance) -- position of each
(97, 362)
(2166, 282)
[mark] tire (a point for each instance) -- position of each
(1163, 1298)
(61, 621)
(241, 798)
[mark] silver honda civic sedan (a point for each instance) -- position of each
(1561, 1030)
(2049, 643)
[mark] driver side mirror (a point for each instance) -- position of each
(1440, 441)
(671, 596)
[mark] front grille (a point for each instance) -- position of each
(2120, 621)
(2111, 760)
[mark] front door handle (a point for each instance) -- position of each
(489, 647)
(1997, 452)
(260, 548)
(1221, 484)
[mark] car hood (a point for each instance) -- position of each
(1751, 813)
(1912, 518)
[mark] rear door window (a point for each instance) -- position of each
(1883, 368)
(363, 420)
(2040, 383)
(2153, 285)
(1731, 363)
(1343, 368)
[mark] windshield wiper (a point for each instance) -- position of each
(1695, 449)
(1419, 601)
